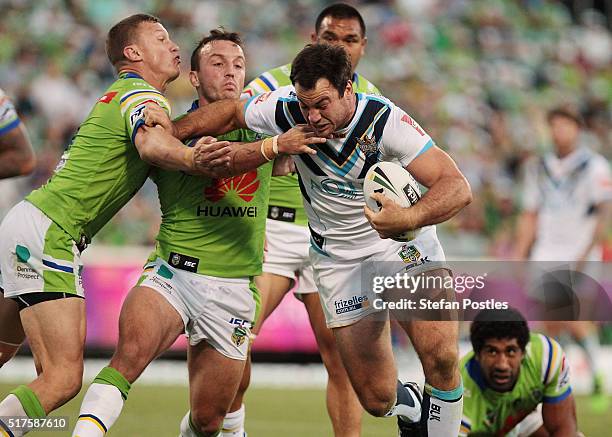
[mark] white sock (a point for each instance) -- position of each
(11, 407)
(186, 429)
(233, 423)
(442, 417)
(100, 409)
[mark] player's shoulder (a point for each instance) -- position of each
(543, 356)
(269, 80)
(471, 373)
(362, 85)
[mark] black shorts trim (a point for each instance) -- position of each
(30, 299)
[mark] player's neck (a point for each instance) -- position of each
(151, 78)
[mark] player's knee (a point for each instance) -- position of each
(65, 379)
(376, 402)
(131, 358)
(441, 362)
(207, 420)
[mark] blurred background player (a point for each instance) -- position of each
(345, 243)
(42, 237)
(286, 257)
(16, 154)
(199, 279)
(566, 213)
(516, 383)
(16, 159)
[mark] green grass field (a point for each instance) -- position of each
(156, 411)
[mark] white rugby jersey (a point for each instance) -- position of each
(8, 116)
(565, 193)
(332, 180)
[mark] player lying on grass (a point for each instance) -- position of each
(344, 243)
(516, 383)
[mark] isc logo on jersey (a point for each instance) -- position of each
(394, 182)
(244, 186)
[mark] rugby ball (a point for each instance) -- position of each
(395, 182)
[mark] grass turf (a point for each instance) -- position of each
(157, 411)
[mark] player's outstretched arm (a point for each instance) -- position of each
(560, 418)
(245, 157)
(157, 147)
(214, 119)
(16, 155)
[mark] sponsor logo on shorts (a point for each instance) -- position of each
(411, 256)
(239, 335)
(240, 322)
(26, 273)
(354, 303)
(184, 262)
(163, 284)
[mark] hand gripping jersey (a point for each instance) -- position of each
(210, 226)
(543, 377)
(284, 190)
(332, 181)
(565, 193)
(101, 170)
(8, 116)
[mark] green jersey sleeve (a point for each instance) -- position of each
(555, 369)
(101, 170)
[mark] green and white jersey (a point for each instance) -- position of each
(101, 170)
(210, 226)
(285, 190)
(9, 119)
(543, 377)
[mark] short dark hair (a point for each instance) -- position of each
(219, 34)
(318, 61)
(498, 324)
(342, 11)
(122, 34)
(567, 111)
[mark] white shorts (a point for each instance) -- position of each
(345, 288)
(219, 310)
(286, 254)
(36, 255)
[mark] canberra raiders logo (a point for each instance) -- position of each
(239, 336)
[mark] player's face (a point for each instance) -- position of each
(159, 53)
(222, 70)
(323, 107)
(344, 32)
(500, 361)
(564, 133)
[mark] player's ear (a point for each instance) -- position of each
(193, 79)
(313, 38)
(132, 53)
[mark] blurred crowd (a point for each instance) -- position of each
(478, 75)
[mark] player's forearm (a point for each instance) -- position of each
(604, 213)
(443, 200)
(214, 119)
(526, 234)
(163, 150)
